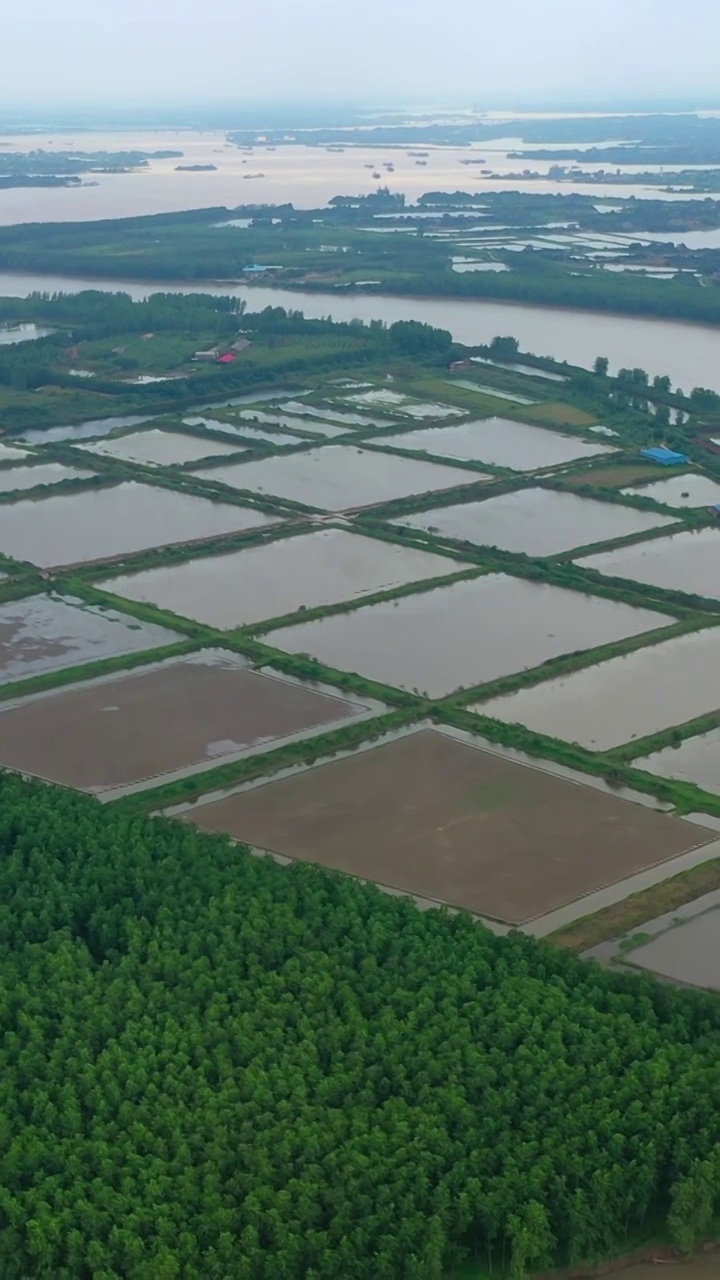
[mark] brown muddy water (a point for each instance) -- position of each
(68, 529)
(695, 760)
(539, 522)
(499, 442)
(464, 634)
(622, 698)
(281, 577)
(339, 477)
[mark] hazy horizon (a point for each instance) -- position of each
(82, 55)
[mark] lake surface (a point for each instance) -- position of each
(499, 442)
(622, 698)
(339, 477)
(465, 634)
(96, 524)
(688, 561)
(259, 583)
(538, 522)
(687, 352)
(160, 448)
(12, 333)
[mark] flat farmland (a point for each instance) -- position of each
(98, 524)
(339, 477)
(688, 561)
(166, 718)
(539, 522)
(160, 448)
(258, 583)
(445, 820)
(464, 634)
(499, 442)
(48, 633)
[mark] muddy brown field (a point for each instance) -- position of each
(169, 717)
(440, 819)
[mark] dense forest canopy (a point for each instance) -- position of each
(215, 1066)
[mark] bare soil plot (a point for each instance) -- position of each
(164, 718)
(687, 561)
(464, 634)
(48, 633)
(98, 524)
(623, 698)
(540, 522)
(258, 583)
(339, 477)
(444, 820)
(160, 448)
(625, 473)
(12, 478)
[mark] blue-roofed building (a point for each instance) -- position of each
(664, 457)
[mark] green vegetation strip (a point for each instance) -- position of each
(91, 670)
(616, 920)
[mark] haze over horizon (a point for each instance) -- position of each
(388, 51)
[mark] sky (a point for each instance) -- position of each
(138, 52)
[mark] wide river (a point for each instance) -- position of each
(687, 352)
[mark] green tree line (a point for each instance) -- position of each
(215, 1066)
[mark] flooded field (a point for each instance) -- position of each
(623, 698)
(339, 477)
(270, 419)
(17, 478)
(398, 402)
(12, 333)
(445, 820)
(160, 448)
(49, 633)
(539, 522)
(681, 491)
(499, 442)
(695, 760)
(688, 561)
(165, 718)
(72, 528)
(349, 421)
(84, 430)
(688, 953)
(489, 391)
(259, 583)
(12, 453)
(248, 431)
(464, 634)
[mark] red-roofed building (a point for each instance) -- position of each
(226, 359)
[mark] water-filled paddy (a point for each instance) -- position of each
(246, 430)
(539, 522)
(498, 442)
(465, 634)
(12, 478)
(339, 477)
(681, 491)
(688, 953)
(694, 760)
(687, 561)
(160, 448)
(314, 569)
(47, 633)
(622, 698)
(98, 524)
